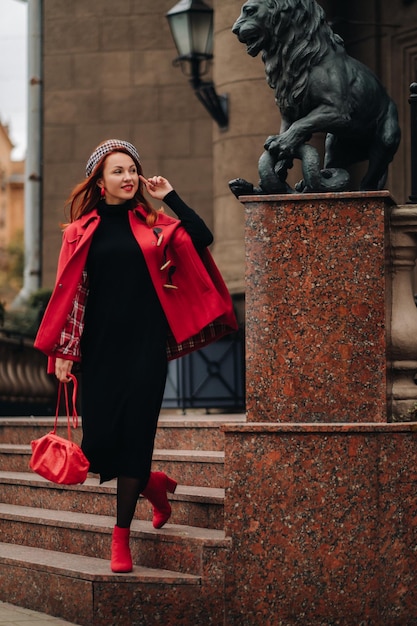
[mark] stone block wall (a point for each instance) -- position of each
(108, 73)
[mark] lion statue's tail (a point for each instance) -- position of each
(316, 179)
(273, 173)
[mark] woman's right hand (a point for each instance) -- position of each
(63, 367)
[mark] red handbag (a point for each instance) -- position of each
(58, 459)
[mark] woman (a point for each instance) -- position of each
(134, 288)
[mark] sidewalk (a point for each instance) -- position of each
(17, 616)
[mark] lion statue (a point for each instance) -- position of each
(318, 88)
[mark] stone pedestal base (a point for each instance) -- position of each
(316, 347)
(323, 524)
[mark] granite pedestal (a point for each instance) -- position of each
(316, 293)
(320, 487)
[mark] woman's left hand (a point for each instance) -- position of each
(157, 186)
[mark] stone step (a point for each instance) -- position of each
(194, 432)
(183, 549)
(14, 457)
(83, 591)
(21, 430)
(178, 432)
(54, 537)
(194, 506)
(202, 468)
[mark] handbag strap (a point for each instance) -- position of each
(74, 415)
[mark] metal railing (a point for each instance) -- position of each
(210, 378)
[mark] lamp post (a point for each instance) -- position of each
(191, 24)
(413, 125)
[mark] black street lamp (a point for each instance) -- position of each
(191, 24)
(413, 131)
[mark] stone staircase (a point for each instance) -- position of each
(55, 540)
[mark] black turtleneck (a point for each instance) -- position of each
(124, 362)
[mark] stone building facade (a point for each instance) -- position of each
(11, 192)
(107, 72)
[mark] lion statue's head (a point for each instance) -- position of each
(292, 35)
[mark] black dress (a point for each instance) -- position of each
(123, 346)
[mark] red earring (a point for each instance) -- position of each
(102, 192)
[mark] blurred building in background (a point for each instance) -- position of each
(11, 192)
(12, 175)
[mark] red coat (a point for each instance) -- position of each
(194, 298)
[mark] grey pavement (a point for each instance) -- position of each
(11, 615)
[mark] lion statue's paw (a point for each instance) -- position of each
(241, 187)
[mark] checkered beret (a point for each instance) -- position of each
(104, 148)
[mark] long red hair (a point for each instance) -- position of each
(86, 195)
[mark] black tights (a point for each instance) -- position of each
(128, 491)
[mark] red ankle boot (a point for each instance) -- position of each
(156, 492)
(121, 559)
